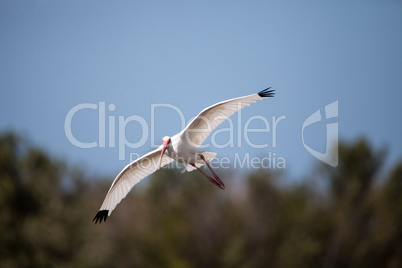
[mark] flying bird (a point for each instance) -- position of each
(182, 147)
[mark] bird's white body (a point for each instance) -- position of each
(184, 152)
(182, 147)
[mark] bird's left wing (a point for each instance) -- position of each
(127, 178)
(211, 117)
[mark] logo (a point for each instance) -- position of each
(329, 157)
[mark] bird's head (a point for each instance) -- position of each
(166, 142)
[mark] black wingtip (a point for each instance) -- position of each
(266, 93)
(101, 215)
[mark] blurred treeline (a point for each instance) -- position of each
(353, 219)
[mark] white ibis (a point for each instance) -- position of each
(182, 147)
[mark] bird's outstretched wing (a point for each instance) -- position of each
(127, 178)
(211, 117)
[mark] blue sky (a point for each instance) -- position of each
(134, 54)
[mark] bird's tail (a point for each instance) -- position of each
(208, 156)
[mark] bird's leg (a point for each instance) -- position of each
(209, 178)
(213, 173)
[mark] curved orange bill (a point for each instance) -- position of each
(163, 151)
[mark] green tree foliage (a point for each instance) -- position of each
(181, 220)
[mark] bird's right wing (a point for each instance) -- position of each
(127, 178)
(211, 117)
